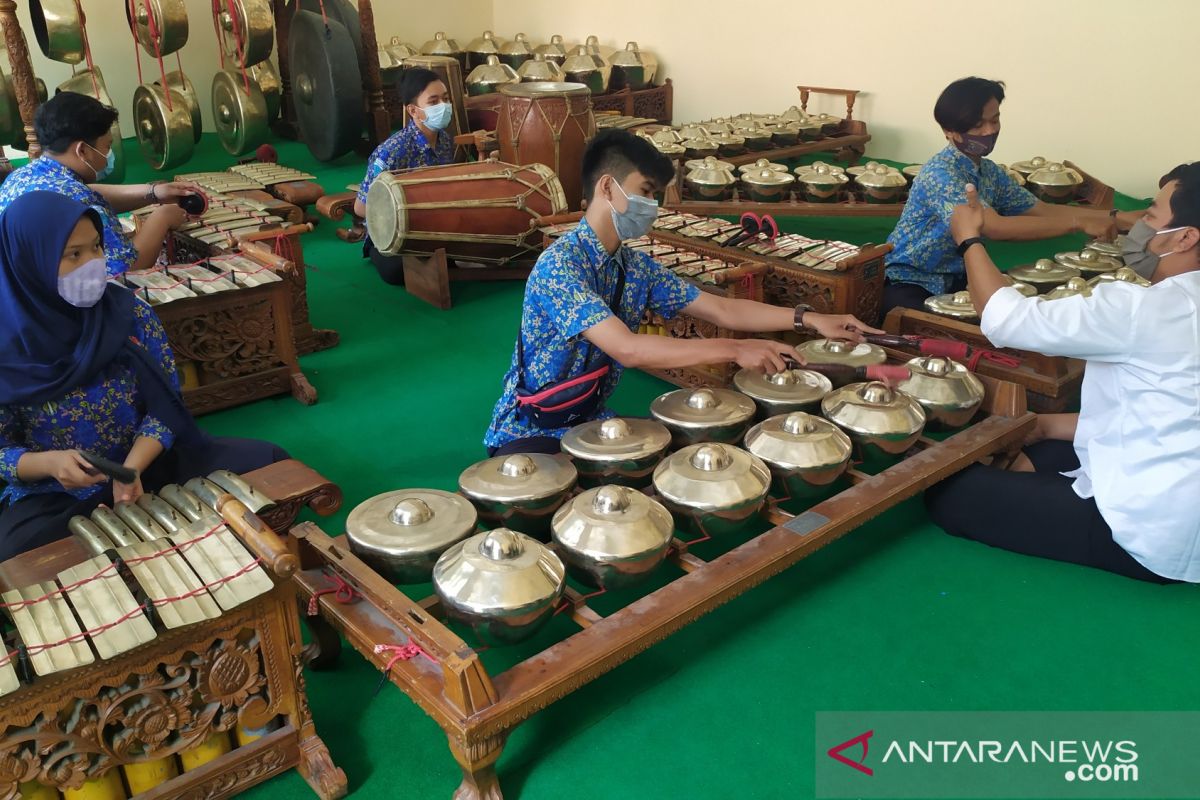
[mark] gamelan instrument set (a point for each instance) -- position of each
(268, 199)
(1051, 382)
(156, 650)
(569, 565)
(227, 303)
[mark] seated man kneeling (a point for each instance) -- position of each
(588, 292)
(1114, 486)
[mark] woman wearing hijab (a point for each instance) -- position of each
(85, 366)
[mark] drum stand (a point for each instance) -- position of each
(428, 277)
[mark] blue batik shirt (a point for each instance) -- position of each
(924, 252)
(46, 174)
(104, 417)
(568, 292)
(407, 148)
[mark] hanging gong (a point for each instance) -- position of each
(163, 131)
(248, 23)
(326, 85)
(91, 83)
(58, 28)
(240, 116)
(344, 12)
(11, 127)
(179, 82)
(161, 26)
(264, 74)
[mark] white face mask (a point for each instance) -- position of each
(84, 286)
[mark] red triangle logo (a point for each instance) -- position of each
(835, 752)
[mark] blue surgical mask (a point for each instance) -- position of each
(110, 162)
(638, 217)
(84, 286)
(438, 117)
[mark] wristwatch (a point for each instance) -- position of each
(798, 320)
(151, 195)
(965, 244)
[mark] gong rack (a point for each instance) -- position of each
(445, 676)
(242, 667)
(1052, 383)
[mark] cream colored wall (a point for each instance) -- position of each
(417, 22)
(1064, 101)
(112, 44)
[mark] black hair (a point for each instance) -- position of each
(619, 153)
(70, 117)
(414, 81)
(960, 105)
(1185, 201)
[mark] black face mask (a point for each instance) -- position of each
(976, 145)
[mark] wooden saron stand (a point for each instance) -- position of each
(183, 685)
(406, 637)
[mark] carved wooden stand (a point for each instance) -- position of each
(855, 287)
(309, 339)
(281, 249)
(21, 73)
(241, 343)
(428, 278)
(1052, 383)
(337, 207)
(242, 668)
(478, 710)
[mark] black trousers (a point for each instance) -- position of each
(910, 295)
(531, 444)
(1035, 513)
(39, 519)
(390, 268)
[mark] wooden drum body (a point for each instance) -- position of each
(551, 124)
(483, 211)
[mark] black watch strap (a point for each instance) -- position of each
(798, 320)
(965, 244)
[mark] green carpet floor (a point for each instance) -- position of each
(895, 616)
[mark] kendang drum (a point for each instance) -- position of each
(548, 123)
(482, 211)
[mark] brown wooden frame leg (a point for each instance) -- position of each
(325, 647)
(428, 279)
(478, 763)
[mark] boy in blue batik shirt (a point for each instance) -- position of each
(423, 142)
(925, 260)
(75, 132)
(588, 292)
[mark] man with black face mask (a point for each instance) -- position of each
(925, 260)
(588, 292)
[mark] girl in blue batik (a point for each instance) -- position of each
(84, 366)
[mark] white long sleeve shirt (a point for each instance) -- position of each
(1138, 438)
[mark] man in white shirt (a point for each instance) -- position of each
(1115, 486)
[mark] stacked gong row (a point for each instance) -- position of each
(505, 582)
(246, 92)
(489, 61)
(1066, 275)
